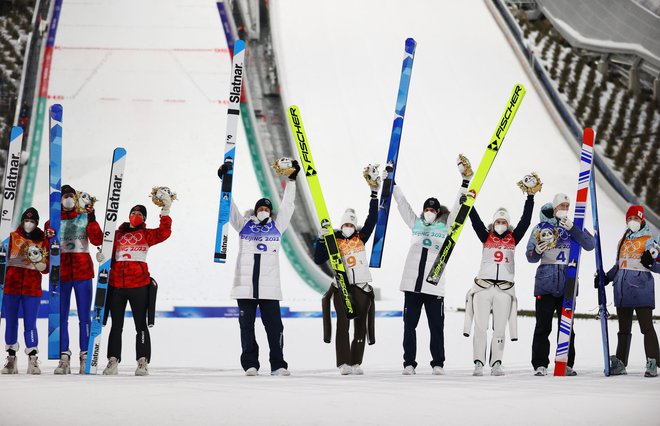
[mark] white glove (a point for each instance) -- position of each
(41, 266)
(541, 247)
(566, 223)
(100, 257)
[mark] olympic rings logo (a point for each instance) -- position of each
(631, 247)
(130, 239)
(255, 227)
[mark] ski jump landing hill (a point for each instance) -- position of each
(153, 77)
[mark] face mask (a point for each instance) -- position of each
(263, 215)
(136, 221)
(68, 203)
(429, 217)
(29, 227)
(634, 226)
(500, 229)
(561, 214)
(347, 231)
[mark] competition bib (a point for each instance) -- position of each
(498, 251)
(355, 258)
(132, 247)
(260, 239)
(558, 255)
(429, 236)
(630, 254)
(18, 251)
(73, 235)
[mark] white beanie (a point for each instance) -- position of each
(349, 217)
(502, 213)
(560, 198)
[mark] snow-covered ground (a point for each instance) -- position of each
(152, 75)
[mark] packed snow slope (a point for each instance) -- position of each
(340, 64)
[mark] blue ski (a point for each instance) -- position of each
(570, 294)
(602, 297)
(9, 197)
(109, 227)
(55, 202)
(392, 155)
(233, 113)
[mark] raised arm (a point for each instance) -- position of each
(478, 225)
(407, 213)
(287, 205)
(525, 219)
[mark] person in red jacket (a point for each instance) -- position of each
(77, 230)
(28, 259)
(130, 280)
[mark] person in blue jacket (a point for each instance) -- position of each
(351, 242)
(550, 243)
(634, 290)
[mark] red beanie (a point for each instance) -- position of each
(635, 210)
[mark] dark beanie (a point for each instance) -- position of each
(67, 189)
(140, 208)
(31, 213)
(263, 202)
(432, 203)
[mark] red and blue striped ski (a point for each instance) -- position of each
(570, 294)
(393, 155)
(55, 186)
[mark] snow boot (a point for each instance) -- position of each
(570, 372)
(112, 369)
(251, 372)
(541, 371)
(33, 365)
(496, 369)
(142, 367)
(64, 367)
(345, 370)
(83, 362)
(616, 367)
(651, 368)
(10, 365)
(408, 370)
(357, 370)
(438, 371)
(280, 372)
(478, 368)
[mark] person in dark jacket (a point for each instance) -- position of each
(493, 289)
(634, 291)
(78, 229)
(130, 280)
(27, 261)
(351, 241)
(550, 243)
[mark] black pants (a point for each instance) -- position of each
(351, 353)
(546, 308)
(435, 314)
(139, 300)
(645, 319)
(272, 320)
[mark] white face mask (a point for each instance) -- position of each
(263, 215)
(634, 226)
(68, 203)
(29, 227)
(347, 231)
(500, 229)
(561, 214)
(429, 217)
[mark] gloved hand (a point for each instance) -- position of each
(541, 247)
(647, 260)
(389, 167)
(296, 166)
(224, 169)
(566, 223)
(41, 266)
(464, 167)
(100, 257)
(91, 214)
(167, 203)
(50, 232)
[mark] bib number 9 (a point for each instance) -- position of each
(351, 262)
(499, 257)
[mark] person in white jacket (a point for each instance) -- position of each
(257, 276)
(429, 230)
(493, 290)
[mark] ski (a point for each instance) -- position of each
(8, 200)
(55, 206)
(308, 167)
(603, 315)
(392, 155)
(233, 113)
(477, 181)
(111, 211)
(568, 305)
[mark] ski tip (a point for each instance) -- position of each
(239, 46)
(16, 132)
(589, 134)
(119, 152)
(56, 112)
(410, 42)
